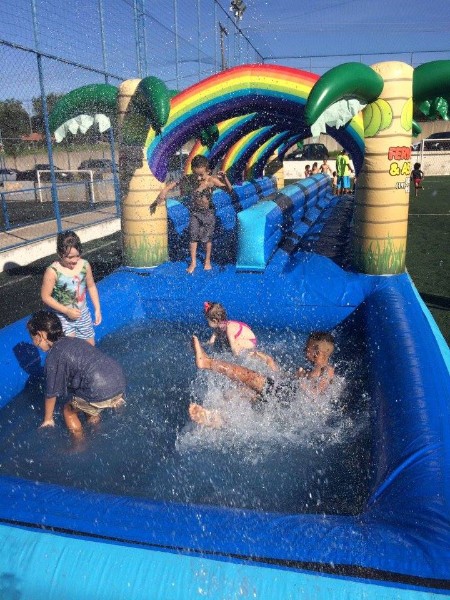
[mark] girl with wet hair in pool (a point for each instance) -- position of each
(92, 380)
(233, 334)
(64, 288)
(238, 335)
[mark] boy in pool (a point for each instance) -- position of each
(94, 380)
(318, 350)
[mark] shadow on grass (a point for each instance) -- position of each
(433, 301)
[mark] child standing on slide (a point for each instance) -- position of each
(199, 186)
(64, 289)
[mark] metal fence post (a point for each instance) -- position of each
(5, 212)
(177, 57)
(117, 196)
(48, 137)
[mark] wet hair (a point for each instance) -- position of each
(66, 241)
(320, 336)
(199, 161)
(307, 167)
(44, 320)
(214, 311)
(417, 165)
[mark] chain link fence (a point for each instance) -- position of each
(433, 155)
(49, 48)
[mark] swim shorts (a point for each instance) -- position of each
(95, 408)
(201, 225)
(282, 391)
(343, 182)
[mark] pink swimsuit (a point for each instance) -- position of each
(239, 331)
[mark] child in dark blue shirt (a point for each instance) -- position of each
(94, 380)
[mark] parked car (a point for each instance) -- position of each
(176, 165)
(32, 174)
(7, 175)
(99, 166)
(310, 152)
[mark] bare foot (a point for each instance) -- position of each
(202, 416)
(202, 360)
(207, 266)
(191, 268)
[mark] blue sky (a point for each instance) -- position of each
(313, 35)
(314, 27)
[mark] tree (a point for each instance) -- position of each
(38, 111)
(14, 122)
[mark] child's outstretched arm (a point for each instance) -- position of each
(318, 379)
(48, 284)
(93, 293)
(212, 339)
(221, 181)
(270, 362)
(162, 196)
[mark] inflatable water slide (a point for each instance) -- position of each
(349, 500)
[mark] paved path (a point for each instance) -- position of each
(29, 233)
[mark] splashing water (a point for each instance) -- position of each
(311, 456)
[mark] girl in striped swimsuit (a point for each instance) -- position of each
(64, 289)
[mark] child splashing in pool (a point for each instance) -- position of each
(318, 350)
(94, 380)
(236, 335)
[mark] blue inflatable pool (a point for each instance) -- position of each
(62, 542)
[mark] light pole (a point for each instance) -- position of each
(223, 33)
(237, 7)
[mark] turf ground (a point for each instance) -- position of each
(428, 248)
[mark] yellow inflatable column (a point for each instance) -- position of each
(382, 191)
(274, 168)
(144, 235)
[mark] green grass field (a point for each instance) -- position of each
(427, 250)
